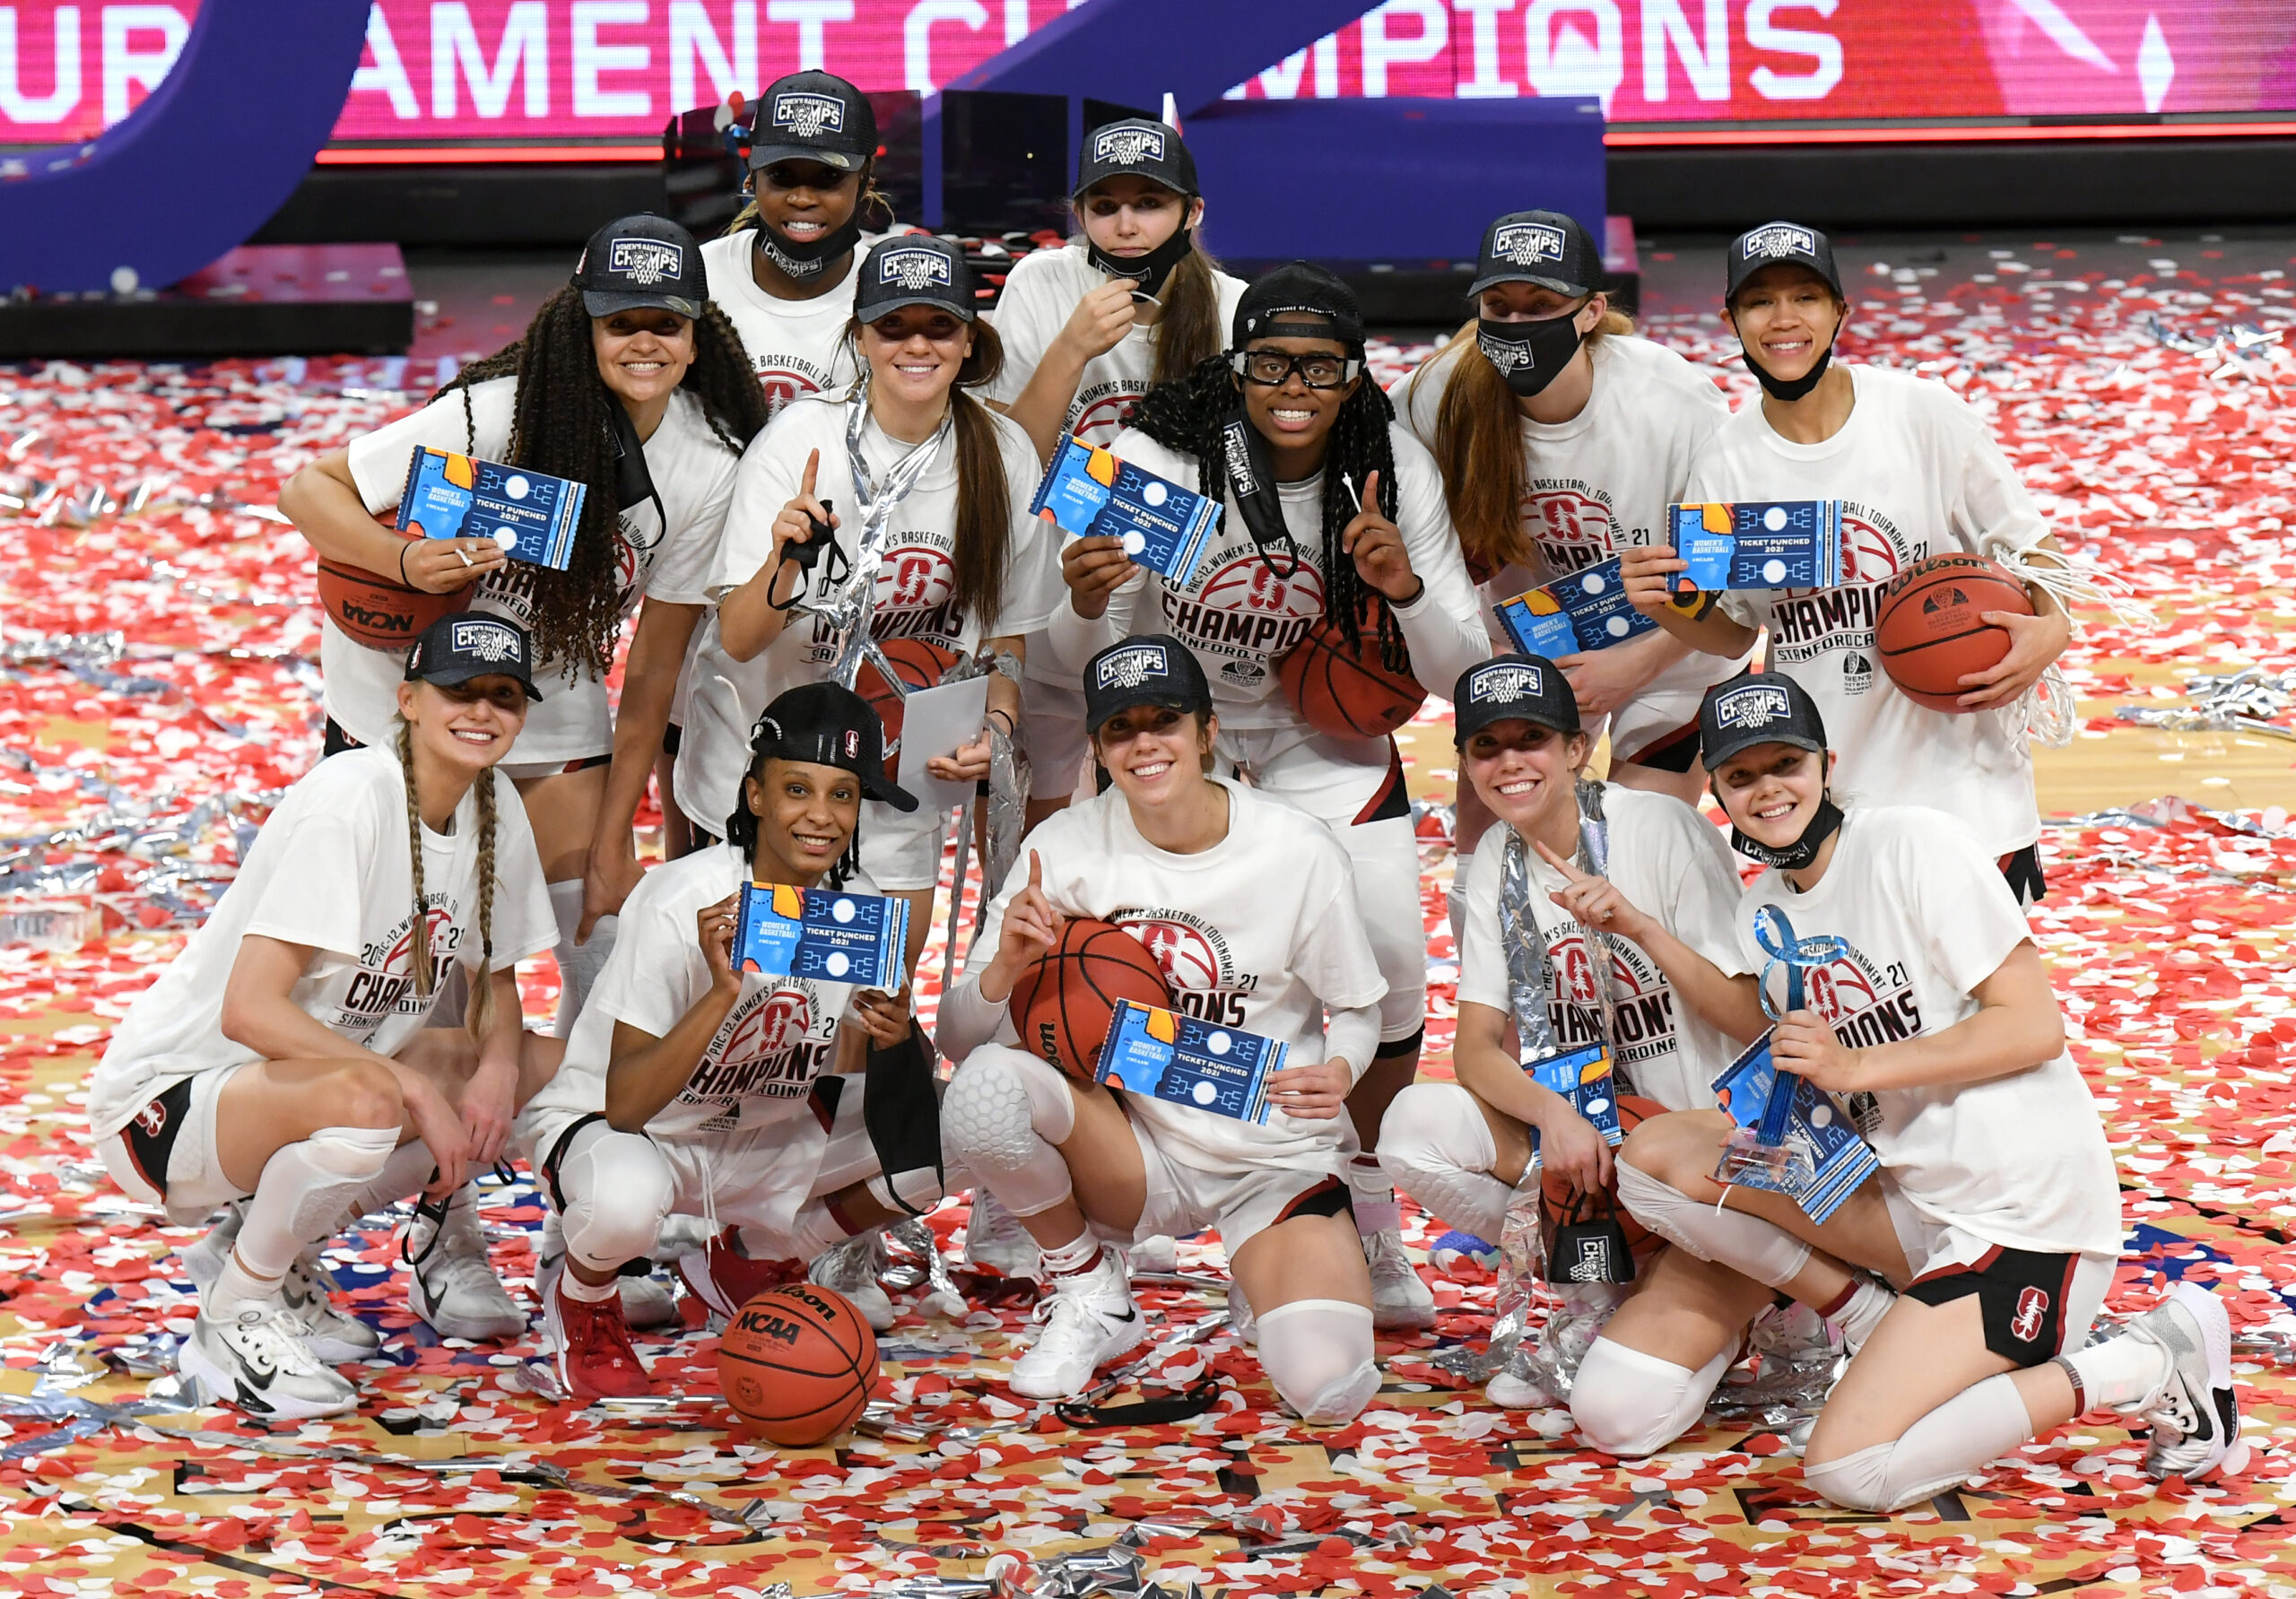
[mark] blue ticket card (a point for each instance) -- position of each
(1180, 1059)
(1832, 1156)
(1586, 611)
(823, 933)
(1583, 1077)
(1088, 492)
(531, 515)
(1791, 543)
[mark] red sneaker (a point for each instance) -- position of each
(590, 1348)
(725, 1279)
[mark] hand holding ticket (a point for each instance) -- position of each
(531, 515)
(1794, 543)
(824, 934)
(1088, 493)
(1586, 611)
(1177, 1058)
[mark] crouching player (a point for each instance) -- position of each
(695, 1087)
(1250, 910)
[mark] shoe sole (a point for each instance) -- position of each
(217, 1386)
(468, 1331)
(1400, 1318)
(1139, 1337)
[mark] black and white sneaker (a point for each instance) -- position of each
(256, 1360)
(2195, 1418)
(450, 1283)
(1089, 1319)
(308, 1288)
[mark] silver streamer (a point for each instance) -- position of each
(2243, 701)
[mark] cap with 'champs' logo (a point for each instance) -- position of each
(1512, 689)
(826, 723)
(1774, 244)
(641, 262)
(471, 644)
(914, 269)
(813, 117)
(1544, 248)
(1764, 707)
(1297, 301)
(1148, 669)
(1136, 147)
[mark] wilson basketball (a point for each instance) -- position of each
(1928, 629)
(798, 1363)
(378, 610)
(1347, 691)
(1558, 1201)
(919, 665)
(1063, 1004)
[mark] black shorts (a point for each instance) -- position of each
(152, 1136)
(2022, 868)
(1329, 1197)
(2021, 1293)
(1675, 751)
(337, 740)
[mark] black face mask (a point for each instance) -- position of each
(805, 261)
(1529, 355)
(1148, 273)
(1779, 389)
(1798, 856)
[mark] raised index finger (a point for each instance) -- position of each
(812, 469)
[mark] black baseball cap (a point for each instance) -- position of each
(1148, 669)
(1512, 689)
(469, 644)
(914, 269)
(827, 724)
(643, 262)
(1135, 147)
(1544, 248)
(813, 117)
(1774, 244)
(1757, 708)
(1275, 304)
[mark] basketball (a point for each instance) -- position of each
(1063, 1004)
(1346, 691)
(799, 1364)
(1555, 1193)
(1927, 629)
(377, 610)
(919, 665)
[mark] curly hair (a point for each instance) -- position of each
(561, 426)
(1186, 416)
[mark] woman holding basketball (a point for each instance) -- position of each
(1249, 912)
(283, 1063)
(1332, 513)
(1996, 1215)
(1133, 300)
(1917, 476)
(962, 569)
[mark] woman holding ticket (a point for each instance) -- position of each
(1249, 912)
(1965, 1274)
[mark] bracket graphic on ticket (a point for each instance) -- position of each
(1087, 493)
(1828, 1159)
(1172, 1056)
(1582, 1076)
(1787, 543)
(531, 515)
(1586, 611)
(823, 933)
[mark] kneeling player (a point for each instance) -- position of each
(693, 1086)
(1250, 910)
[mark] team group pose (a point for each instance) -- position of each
(807, 458)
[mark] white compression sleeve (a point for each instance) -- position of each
(966, 1021)
(1003, 1114)
(1353, 1037)
(1747, 1245)
(1981, 1423)
(1630, 1404)
(579, 965)
(618, 1190)
(1318, 1356)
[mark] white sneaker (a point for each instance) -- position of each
(995, 1240)
(1399, 1299)
(851, 1269)
(308, 1289)
(1088, 1320)
(202, 1262)
(2195, 1419)
(646, 1302)
(1158, 1252)
(1510, 1392)
(451, 1285)
(256, 1360)
(1241, 1314)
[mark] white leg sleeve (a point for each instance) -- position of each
(1747, 1245)
(1438, 1149)
(579, 965)
(1002, 1115)
(410, 1166)
(618, 1191)
(300, 1196)
(1632, 1405)
(1318, 1354)
(1981, 1423)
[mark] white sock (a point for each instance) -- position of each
(579, 965)
(1080, 1254)
(592, 1293)
(1869, 1304)
(1372, 1195)
(2121, 1374)
(235, 1286)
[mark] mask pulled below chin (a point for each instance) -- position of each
(1779, 389)
(1798, 856)
(1148, 273)
(802, 261)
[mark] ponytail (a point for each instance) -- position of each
(478, 1015)
(1189, 330)
(423, 978)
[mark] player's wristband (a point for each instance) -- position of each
(1417, 594)
(404, 545)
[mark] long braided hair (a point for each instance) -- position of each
(561, 426)
(1187, 416)
(478, 1017)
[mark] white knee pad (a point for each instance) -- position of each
(1318, 1355)
(1436, 1147)
(1950, 1445)
(618, 1190)
(1003, 1113)
(1859, 1482)
(300, 1194)
(1632, 1405)
(1762, 1250)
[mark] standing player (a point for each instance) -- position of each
(1917, 476)
(964, 571)
(692, 1086)
(1264, 897)
(286, 1054)
(1996, 1213)
(1332, 512)
(1134, 300)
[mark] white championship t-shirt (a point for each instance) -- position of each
(1670, 863)
(2019, 1161)
(760, 1066)
(1918, 475)
(1240, 610)
(331, 870)
(694, 473)
(797, 347)
(914, 581)
(1260, 932)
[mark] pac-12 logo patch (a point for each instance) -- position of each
(2032, 1308)
(645, 261)
(1527, 244)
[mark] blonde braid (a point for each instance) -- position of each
(422, 982)
(480, 1016)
